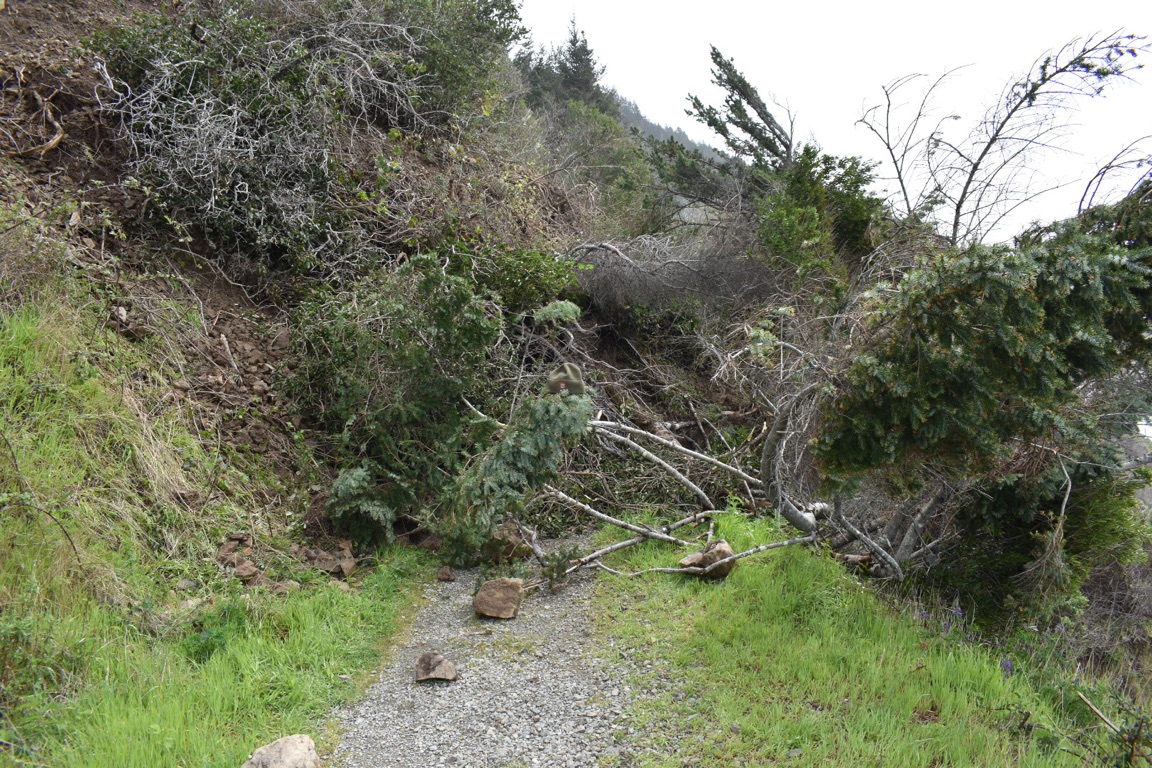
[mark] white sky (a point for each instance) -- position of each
(828, 60)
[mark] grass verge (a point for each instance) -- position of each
(790, 660)
(102, 663)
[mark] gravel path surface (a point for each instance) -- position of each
(533, 691)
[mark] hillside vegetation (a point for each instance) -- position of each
(281, 286)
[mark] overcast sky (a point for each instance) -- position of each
(828, 61)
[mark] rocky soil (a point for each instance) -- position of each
(537, 690)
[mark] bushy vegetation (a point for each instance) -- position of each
(250, 122)
(441, 225)
(388, 363)
(528, 454)
(99, 520)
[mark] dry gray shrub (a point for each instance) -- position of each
(238, 126)
(710, 268)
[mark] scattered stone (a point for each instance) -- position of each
(499, 598)
(232, 560)
(191, 604)
(794, 753)
(347, 566)
(531, 692)
(506, 544)
(186, 585)
(260, 580)
(714, 552)
(347, 562)
(433, 666)
(226, 549)
(325, 561)
(297, 751)
(247, 571)
(233, 544)
(446, 574)
(284, 587)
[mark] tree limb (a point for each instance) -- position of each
(695, 571)
(582, 507)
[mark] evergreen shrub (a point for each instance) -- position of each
(529, 454)
(386, 364)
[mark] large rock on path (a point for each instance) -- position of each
(297, 751)
(499, 598)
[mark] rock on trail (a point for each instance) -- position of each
(532, 691)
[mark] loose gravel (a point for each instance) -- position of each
(533, 691)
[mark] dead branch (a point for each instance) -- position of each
(1111, 725)
(677, 447)
(1126, 158)
(731, 558)
(680, 477)
(693, 519)
(876, 549)
(582, 507)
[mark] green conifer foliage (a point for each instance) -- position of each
(386, 364)
(986, 345)
(528, 455)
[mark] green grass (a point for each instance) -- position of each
(791, 653)
(99, 663)
(277, 669)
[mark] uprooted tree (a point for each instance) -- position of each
(908, 400)
(919, 401)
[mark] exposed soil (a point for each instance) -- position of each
(64, 166)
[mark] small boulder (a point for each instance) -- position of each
(714, 552)
(506, 545)
(247, 571)
(325, 561)
(433, 666)
(446, 574)
(297, 751)
(499, 598)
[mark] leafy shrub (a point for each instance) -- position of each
(386, 364)
(557, 312)
(980, 347)
(355, 503)
(520, 279)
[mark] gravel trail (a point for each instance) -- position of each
(533, 691)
